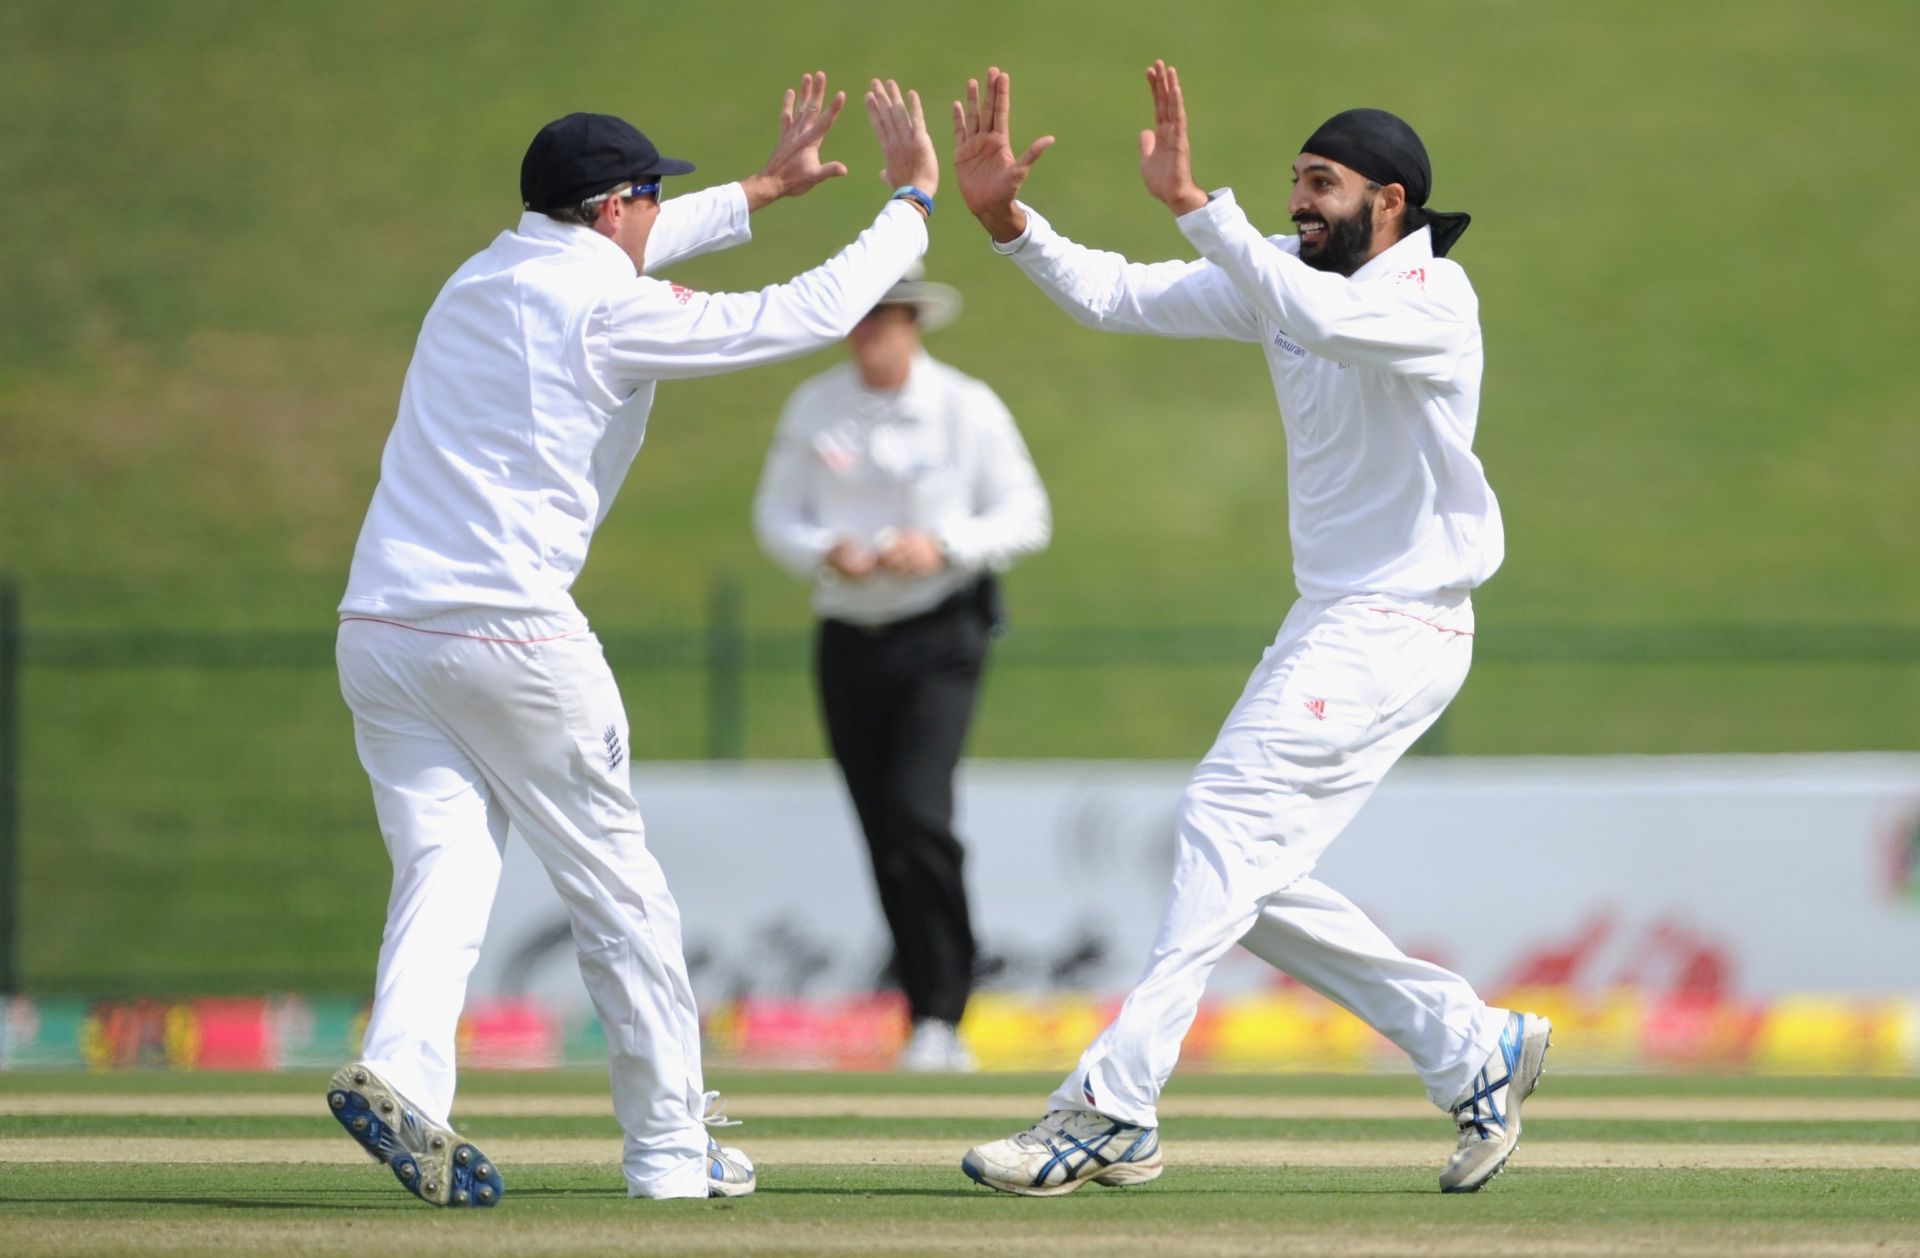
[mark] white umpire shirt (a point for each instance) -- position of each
(940, 454)
(530, 386)
(1377, 376)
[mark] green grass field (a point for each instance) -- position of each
(868, 1164)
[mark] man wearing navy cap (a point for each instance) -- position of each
(480, 697)
(1372, 342)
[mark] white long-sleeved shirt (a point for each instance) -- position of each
(1377, 376)
(530, 386)
(941, 454)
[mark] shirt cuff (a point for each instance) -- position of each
(1011, 247)
(1205, 226)
(1220, 201)
(944, 539)
(739, 215)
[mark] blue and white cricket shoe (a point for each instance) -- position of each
(1489, 1115)
(729, 1170)
(1064, 1150)
(431, 1161)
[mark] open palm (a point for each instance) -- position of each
(983, 161)
(1166, 158)
(795, 164)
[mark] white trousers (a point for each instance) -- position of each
(1346, 687)
(465, 723)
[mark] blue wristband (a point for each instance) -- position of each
(907, 192)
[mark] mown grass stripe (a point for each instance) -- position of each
(1542, 1124)
(997, 1107)
(772, 1152)
(590, 1085)
(1009, 1106)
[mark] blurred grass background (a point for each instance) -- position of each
(1692, 238)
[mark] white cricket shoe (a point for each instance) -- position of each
(729, 1170)
(1488, 1116)
(429, 1159)
(1064, 1150)
(935, 1046)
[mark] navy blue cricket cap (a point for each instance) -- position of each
(584, 155)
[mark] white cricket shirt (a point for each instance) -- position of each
(530, 385)
(940, 454)
(1377, 376)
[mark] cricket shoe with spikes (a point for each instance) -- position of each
(1488, 1116)
(1064, 1150)
(430, 1160)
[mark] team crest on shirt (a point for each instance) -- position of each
(835, 453)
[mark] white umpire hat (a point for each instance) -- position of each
(935, 305)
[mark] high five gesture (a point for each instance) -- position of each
(983, 160)
(1165, 159)
(794, 167)
(904, 144)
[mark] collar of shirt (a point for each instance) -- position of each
(574, 238)
(911, 401)
(1407, 252)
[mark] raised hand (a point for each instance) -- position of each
(905, 147)
(1166, 161)
(794, 167)
(983, 160)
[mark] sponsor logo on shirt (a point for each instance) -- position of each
(1280, 339)
(681, 293)
(1318, 707)
(1416, 276)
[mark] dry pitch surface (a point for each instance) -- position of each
(160, 1164)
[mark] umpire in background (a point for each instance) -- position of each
(899, 487)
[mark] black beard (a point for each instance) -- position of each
(1347, 242)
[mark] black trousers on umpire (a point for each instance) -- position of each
(897, 700)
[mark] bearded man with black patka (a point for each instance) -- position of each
(1372, 341)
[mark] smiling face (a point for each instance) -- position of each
(1344, 218)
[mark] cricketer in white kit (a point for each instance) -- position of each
(1372, 339)
(480, 697)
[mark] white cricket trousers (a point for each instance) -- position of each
(1346, 687)
(466, 722)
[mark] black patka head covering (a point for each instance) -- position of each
(1386, 150)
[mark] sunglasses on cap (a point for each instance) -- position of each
(632, 192)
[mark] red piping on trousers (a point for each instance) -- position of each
(444, 633)
(1388, 611)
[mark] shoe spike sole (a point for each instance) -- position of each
(473, 1179)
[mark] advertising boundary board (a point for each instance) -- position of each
(1714, 877)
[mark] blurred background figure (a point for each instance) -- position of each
(899, 487)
